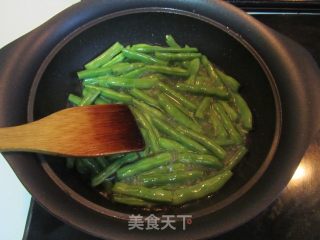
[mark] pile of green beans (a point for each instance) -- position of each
(190, 113)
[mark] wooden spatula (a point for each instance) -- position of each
(79, 131)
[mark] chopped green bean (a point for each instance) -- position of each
(135, 73)
(151, 131)
(105, 56)
(122, 68)
(176, 114)
(177, 103)
(205, 141)
(218, 127)
(140, 83)
(142, 57)
(171, 42)
(140, 95)
(111, 94)
(144, 165)
(244, 111)
(90, 97)
(172, 167)
(175, 71)
(203, 107)
(171, 145)
(91, 165)
(176, 56)
(152, 180)
(235, 158)
(210, 70)
(145, 48)
(233, 132)
(233, 115)
(186, 141)
(117, 59)
(201, 159)
(102, 100)
(193, 70)
(201, 189)
(111, 169)
(203, 90)
(152, 194)
(75, 100)
(167, 89)
(229, 81)
(148, 109)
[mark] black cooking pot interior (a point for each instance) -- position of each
(57, 78)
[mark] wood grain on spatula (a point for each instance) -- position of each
(79, 131)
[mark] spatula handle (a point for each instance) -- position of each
(20, 138)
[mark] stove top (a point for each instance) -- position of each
(295, 214)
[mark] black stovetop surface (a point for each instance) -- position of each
(295, 214)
